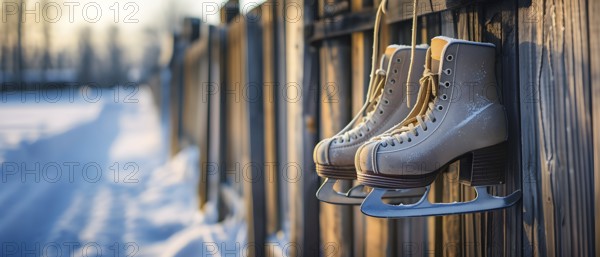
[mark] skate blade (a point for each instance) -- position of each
(375, 207)
(356, 194)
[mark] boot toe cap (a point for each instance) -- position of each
(321, 152)
(364, 157)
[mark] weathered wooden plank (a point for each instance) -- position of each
(310, 88)
(245, 138)
(578, 148)
(285, 178)
(534, 234)
(234, 109)
(195, 107)
(302, 122)
(557, 48)
(295, 75)
(403, 9)
(504, 228)
(335, 113)
(342, 25)
(254, 157)
(217, 121)
(269, 93)
(190, 34)
(594, 18)
(361, 43)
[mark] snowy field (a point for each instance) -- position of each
(89, 175)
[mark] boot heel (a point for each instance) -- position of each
(485, 166)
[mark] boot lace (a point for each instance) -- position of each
(428, 84)
(374, 93)
(370, 108)
(403, 132)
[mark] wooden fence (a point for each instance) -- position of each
(256, 93)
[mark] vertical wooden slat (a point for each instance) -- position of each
(245, 136)
(554, 47)
(302, 122)
(335, 103)
(335, 112)
(255, 155)
(217, 122)
(233, 106)
(534, 229)
(594, 18)
(195, 106)
(504, 227)
(579, 147)
(269, 93)
(175, 93)
(203, 107)
(310, 88)
(281, 120)
(360, 57)
(294, 74)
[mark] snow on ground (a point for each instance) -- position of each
(82, 176)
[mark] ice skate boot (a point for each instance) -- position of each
(385, 107)
(458, 117)
(334, 157)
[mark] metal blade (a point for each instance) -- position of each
(374, 206)
(356, 194)
(327, 194)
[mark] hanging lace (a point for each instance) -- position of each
(401, 133)
(412, 52)
(377, 82)
(375, 90)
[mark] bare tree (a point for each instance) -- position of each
(87, 56)
(117, 69)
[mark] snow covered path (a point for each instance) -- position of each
(93, 179)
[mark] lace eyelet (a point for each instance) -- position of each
(393, 81)
(393, 144)
(341, 140)
(433, 120)
(386, 101)
(398, 60)
(361, 135)
(424, 129)
(395, 70)
(409, 139)
(447, 84)
(439, 107)
(444, 97)
(390, 90)
(416, 134)
(380, 112)
(449, 57)
(448, 71)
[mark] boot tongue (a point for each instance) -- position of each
(437, 47)
(387, 55)
(383, 65)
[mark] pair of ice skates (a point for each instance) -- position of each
(402, 140)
